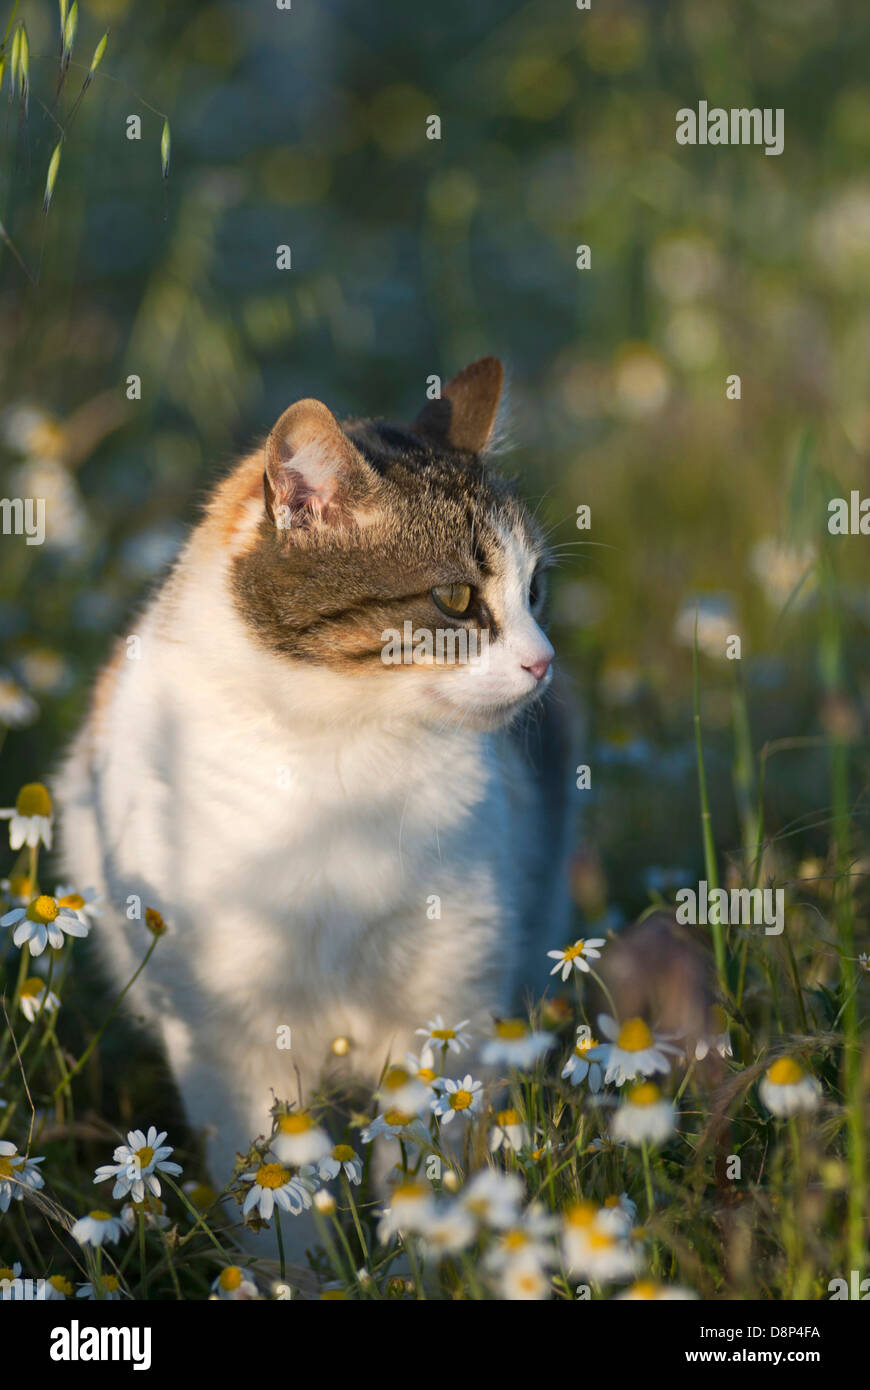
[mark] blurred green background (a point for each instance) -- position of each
(410, 257)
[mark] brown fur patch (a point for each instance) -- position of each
(326, 593)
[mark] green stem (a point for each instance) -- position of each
(707, 825)
(64, 1083)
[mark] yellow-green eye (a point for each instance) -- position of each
(453, 599)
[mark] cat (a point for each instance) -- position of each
(340, 846)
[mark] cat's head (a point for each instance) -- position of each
(394, 560)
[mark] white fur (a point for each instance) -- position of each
(302, 904)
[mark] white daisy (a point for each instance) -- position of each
(509, 1131)
(399, 1090)
(341, 1159)
(618, 1213)
(786, 1088)
(450, 1230)
(234, 1283)
(422, 1066)
(411, 1209)
(645, 1290)
(57, 1287)
(594, 1245)
(864, 961)
(30, 819)
(110, 1289)
(151, 1208)
(457, 1098)
(34, 998)
(273, 1184)
(137, 1164)
(493, 1198)
(86, 904)
(42, 924)
(440, 1037)
(576, 957)
(515, 1045)
(527, 1242)
(97, 1228)
(16, 1173)
(396, 1124)
(18, 889)
(8, 1275)
(299, 1139)
(632, 1051)
(578, 1065)
(522, 1282)
(644, 1117)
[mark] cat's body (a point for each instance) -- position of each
(339, 848)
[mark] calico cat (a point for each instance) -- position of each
(340, 846)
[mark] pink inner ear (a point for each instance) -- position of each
(305, 482)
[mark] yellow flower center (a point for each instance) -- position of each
(341, 1046)
(426, 1074)
(584, 1045)
(6, 1275)
(507, 1117)
(527, 1282)
(409, 1192)
(634, 1036)
(33, 800)
(6, 1168)
(343, 1153)
(515, 1240)
(611, 1201)
(110, 1284)
(395, 1079)
(20, 886)
(572, 952)
(299, 1123)
(271, 1175)
(32, 988)
(580, 1214)
(785, 1072)
(62, 1285)
(100, 1215)
(230, 1278)
(443, 1034)
(511, 1028)
(43, 909)
(397, 1118)
(644, 1288)
(73, 900)
(145, 1155)
(645, 1094)
(460, 1100)
(600, 1240)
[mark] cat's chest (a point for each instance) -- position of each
(352, 828)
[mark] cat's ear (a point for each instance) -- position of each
(465, 414)
(313, 473)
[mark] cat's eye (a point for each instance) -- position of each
(453, 599)
(537, 588)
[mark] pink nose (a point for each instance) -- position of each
(539, 668)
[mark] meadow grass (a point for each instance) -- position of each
(715, 1194)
